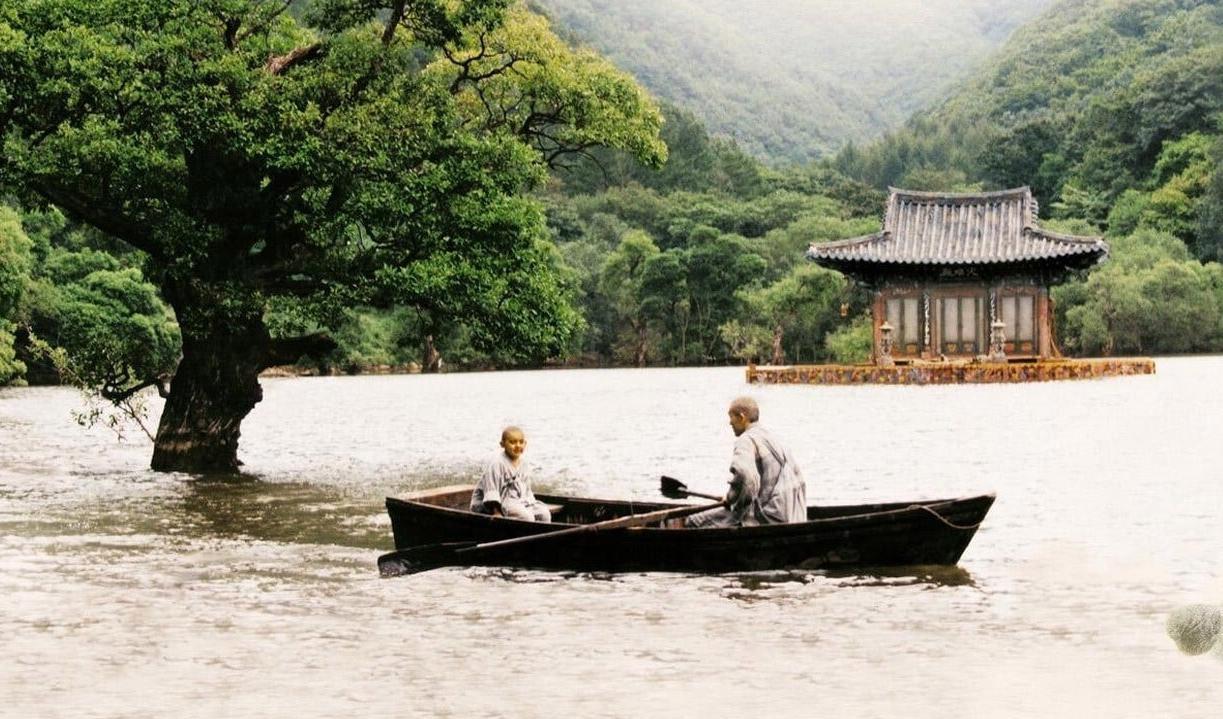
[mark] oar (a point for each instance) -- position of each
(433, 556)
(675, 489)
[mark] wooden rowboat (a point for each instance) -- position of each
(926, 532)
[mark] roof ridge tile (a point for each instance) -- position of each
(959, 228)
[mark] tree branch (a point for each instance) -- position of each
(123, 228)
(592, 158)
(393, 21)
(279, 64)
(110, 390)
(553, 159)
(465, 66)
(231, 32)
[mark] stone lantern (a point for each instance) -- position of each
(997, 341)
(885, 345)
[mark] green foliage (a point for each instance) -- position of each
(932, 179)
(696, 162)
(114, 329)
(785, 247)
(620, 282)
(1181, 177)
(377, 186)
(519, 77)
(853, 343)
(855, 198)
(11, 368)
(799, 307)
(688, 277)
(369, 339)
(1210, 208)
(15, 261)
(1127, 212)
(112, 411)
(98, 321)
(666, 301)
(1151, 297)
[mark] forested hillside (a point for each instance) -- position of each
(795, 79)
(1112, 111)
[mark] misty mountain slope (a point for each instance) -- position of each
(795, 79)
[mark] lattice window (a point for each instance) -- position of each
(903, 316)
(960, 324)
(1018, 313)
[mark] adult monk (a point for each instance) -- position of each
(766, 485)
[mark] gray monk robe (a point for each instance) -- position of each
(766, 485)
(509, 487)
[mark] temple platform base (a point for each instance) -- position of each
(952, 372)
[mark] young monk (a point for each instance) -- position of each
(504, 489)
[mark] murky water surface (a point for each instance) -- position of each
(127, 593)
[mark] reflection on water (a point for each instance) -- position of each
(130, 593)
(248, 507)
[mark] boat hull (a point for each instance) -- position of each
(928, 532)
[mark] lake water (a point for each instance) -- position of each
(128, 593)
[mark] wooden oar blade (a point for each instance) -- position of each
(414, 560)
(672, 488)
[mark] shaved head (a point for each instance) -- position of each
(505, 433)
(747, 407)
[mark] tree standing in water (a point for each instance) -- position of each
(377, 154)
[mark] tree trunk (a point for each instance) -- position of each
(779, 355)
(641, 345)
(432, 358)
(215, 386)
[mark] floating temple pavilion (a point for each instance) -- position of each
(961, 293)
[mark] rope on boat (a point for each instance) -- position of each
(944, 520)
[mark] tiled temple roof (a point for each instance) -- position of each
(930, 228)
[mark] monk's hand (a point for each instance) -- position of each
(735, 494)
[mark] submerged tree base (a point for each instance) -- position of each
(195, 457)
(952, 372)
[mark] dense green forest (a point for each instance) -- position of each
(1110, 109)
(793, 80)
